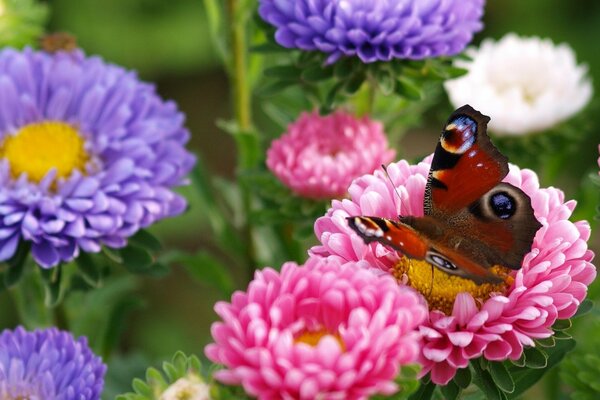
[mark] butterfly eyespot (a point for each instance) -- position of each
(503, 205)
(441, 262)
(459, 135)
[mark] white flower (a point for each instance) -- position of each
(524, 84)
(189, 388)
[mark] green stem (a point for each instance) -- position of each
(239, 77)
(365, 98)
(246, 137)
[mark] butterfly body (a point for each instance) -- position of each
(472, 220)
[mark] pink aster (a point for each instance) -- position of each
(550, 285)
(319, 156)
(323, 330)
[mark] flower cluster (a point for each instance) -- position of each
(322, 330)
(467, 321)
(524, 84)
(88, 155)
(48, 364)
(319, 156)
(375, 30)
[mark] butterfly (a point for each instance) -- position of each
(472, 220)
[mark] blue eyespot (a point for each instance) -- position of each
(503, 205)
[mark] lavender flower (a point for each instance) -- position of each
(48, 364)
(375, 30)
(88, 155)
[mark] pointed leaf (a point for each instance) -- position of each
(463, 377)
(483, 380)
(584, 308)
(535, 358)
(408, 89)
(562, 324)
(136, 259)
(52, 279)
(89, 269)
(317, 73)
(16, 265)
(501, 376)
(146, 240)
(425, 391)
(450, 391)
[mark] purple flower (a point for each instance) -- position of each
(48, 364)
(375, 30)
(88, 155)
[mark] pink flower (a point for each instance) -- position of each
(324, 330)
(467, 321)
(319, 156)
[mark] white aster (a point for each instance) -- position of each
(524, 84)
(188, 388)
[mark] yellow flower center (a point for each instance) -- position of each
(37, 148)
(439, 288)
(313, 338)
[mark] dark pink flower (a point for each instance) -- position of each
(319, 156)
(466, 320)
(323, 330)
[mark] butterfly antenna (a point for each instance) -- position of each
(384, 168)
(431, 286)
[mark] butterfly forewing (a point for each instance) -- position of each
(465, 164)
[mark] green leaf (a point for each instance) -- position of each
(463, 377)
(136, 259)
(548, 342)
(450, 391)
(408, 89)
(29, 297)
(141, 387)
(535, 358)
(89, 269)
(386, 80)
(526, 377)
(156, 382)
(584, 308)
(425, 391)
(275, 87)
(344, 68)
(209, 270)
(502, 377)
(483, 380)
(352, 85)
(562, 324)
(317, 73)
(146, 240)
(562, 335)
(455, 72)
(117, 322)
(113, 254)
(520, 362)
(284, 72)
(52, 279)
(16, 265)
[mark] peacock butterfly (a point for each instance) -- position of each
(472, 219)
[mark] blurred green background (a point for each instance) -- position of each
(168, 43)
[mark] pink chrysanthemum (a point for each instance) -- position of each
(324, 330)
(318, 157)
(466, 320)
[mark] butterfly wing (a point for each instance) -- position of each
(472, 220)
(419, 244)
(465, 164)
(395, 234)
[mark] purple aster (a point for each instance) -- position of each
(375, 30)
(48, 364)
(88, 155)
